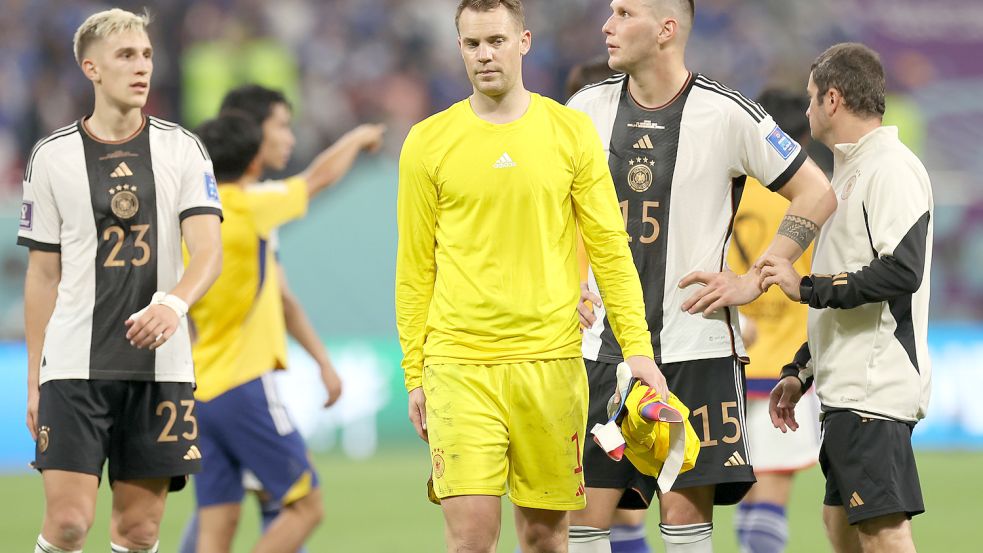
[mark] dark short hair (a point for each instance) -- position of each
(232, 141)
(513, 6)
(253, 100)
(589, 72)
(856, 71)
(788, 109)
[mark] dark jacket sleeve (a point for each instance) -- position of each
(887, 277)
(799, 367)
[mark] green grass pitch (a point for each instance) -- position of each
(379, 505)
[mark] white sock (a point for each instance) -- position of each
(42, 546)
(688, 538)
(120, 549)
(587, 539)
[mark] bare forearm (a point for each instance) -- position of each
(332, 164)
(202, 270)
(811, 203)
(40, 294)
(300, 327)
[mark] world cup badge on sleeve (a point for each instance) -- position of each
(27, 215)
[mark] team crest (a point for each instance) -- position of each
(124, 203)
(640, 174)
(438, 463)
(43, 439)
(850, 184)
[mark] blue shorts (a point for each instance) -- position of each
(248, 428)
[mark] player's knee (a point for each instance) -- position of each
(138, 533)
(70, 525)
(472, 538)
(544, 538)
(310, 507)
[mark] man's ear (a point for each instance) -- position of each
(90, 70)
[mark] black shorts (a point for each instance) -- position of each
(713, 390)
(147, 430)
(869, 466)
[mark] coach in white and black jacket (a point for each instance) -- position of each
(868, 322)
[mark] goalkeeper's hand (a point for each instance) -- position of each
(646, 370)
(418, 413)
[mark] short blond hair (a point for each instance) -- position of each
(106, 23)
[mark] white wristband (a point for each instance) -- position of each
(179, 306)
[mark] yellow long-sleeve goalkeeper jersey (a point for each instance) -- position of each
(486, 269)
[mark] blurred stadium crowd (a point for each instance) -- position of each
(395, 61)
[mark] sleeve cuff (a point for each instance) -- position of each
(789, 171)
(201, 210)
(643, 350)
(413, 381)
(35, 245)
(805, 289)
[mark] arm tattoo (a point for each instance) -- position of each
(798, 229)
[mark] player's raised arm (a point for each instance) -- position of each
(334, 162)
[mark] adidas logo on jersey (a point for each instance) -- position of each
(122, 170)
(504, 162)
(855, 500)
(735, 460)
(644, 143)
(192, 454)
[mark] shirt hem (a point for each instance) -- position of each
(448, 360)
(117, 375)
(677, 358)
(827, 408)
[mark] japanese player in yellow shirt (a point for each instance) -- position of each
(491, 193)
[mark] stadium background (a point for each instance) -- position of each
(347, 61)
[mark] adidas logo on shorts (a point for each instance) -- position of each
(192, 454)
(735, 460)
(855, 500)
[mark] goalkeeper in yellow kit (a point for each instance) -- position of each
(491, 193)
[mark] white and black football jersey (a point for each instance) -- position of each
(679, 171)
(113, 210)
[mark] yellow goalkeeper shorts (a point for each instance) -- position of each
(516, 428)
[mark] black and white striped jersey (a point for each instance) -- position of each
(679, 171)
(113, 210)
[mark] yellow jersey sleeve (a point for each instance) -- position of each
(603, 231)
(277, 202)
(416, 267)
